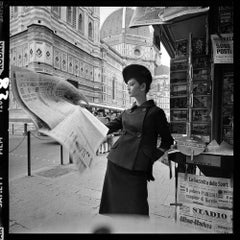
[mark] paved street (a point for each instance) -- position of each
(58, 199)
(45, 152)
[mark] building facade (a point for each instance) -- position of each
(62, 41)
(114, 91)
(160, 93)
(133, 45)
(68, 42)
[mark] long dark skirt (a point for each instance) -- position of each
(124, 191)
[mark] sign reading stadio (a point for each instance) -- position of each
(210, 213)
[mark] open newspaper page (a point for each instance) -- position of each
(44, 95)
(50, 102)
(81, 133)
(36, 120)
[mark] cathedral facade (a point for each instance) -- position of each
(135, 45)
(68, 42)
(61, 41)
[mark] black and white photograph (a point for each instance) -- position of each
(116, 119)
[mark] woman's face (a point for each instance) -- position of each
(135, 88)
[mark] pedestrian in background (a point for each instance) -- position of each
(103, 148)
(132, 156)
(109, 140)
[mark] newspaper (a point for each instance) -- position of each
(53, 105)
(207, 203)
(205, 219)
(207, 191)
(222, 48)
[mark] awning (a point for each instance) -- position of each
(171, 23)
(143, 16)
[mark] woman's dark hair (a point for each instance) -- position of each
(138, 72)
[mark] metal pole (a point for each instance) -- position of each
(25, 128)
(70, 160)
(61, 154)
(176, 187)
(190, 81)
(13, 129)
(29, 152)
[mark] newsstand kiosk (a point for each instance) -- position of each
(200, 44)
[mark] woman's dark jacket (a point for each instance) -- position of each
(136, 149)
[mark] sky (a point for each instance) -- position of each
(106, 11)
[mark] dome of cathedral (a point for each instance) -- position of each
(112, 26)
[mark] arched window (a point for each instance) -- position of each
(80, 22)
(90, 30)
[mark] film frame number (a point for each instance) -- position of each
(4, 83)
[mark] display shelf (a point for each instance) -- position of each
(201, 115)
(182, 96)
(181, 47)
(201, 75)
(179, 115)
(202, 95)
(178, 83)
(201, 101)
(178, 121)
(184, 109)
(179, 65)
(178, 102)
(182, 92)
(201, 68)
(202, 88)
(201, 129)
(225, 24)
(198, 46)
(179, 70)
(201, 122)
(178, 77)
(180, 89)
(178, 127)
(200, 62)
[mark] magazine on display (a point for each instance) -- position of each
(51, 102)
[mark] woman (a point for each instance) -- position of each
(131, 157)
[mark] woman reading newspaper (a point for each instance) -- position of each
(131, 158)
